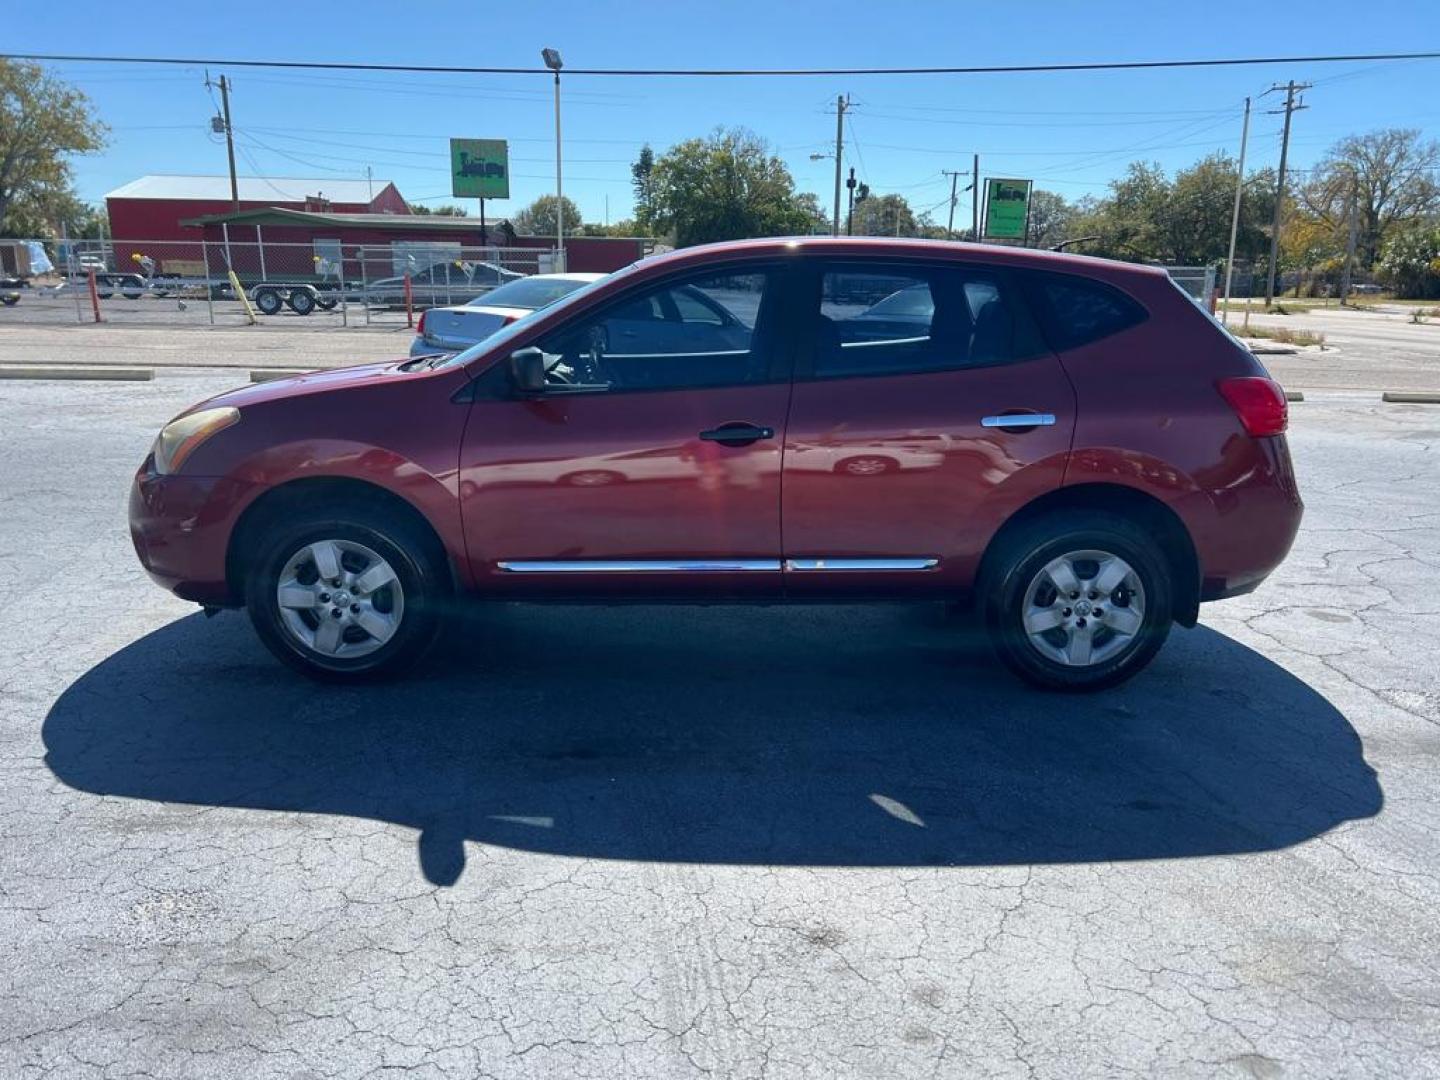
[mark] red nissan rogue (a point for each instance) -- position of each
(1070, 444)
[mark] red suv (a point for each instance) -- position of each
(1070, 443)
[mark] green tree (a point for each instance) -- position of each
(54, 214)
(726, 187)
(1392, 176)
(1410, 261)
(1147, 216)
(445, 210)
(1051, 218)
(642, 178)
(42, 122)
(624, 227)
(538, 219)
(885, 215)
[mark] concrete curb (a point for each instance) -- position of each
(1411, 397)
(66, 372)
(266, 374)
(1294, 395)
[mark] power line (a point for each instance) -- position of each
(997, 69)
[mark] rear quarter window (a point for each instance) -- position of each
(1075, 311)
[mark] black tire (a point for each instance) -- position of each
(268, 302)
(301, 301)
(9, 301)
(419, 570)
(132, 288)
(1020, 557)
(326, 303)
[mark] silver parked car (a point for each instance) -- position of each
(450, 329)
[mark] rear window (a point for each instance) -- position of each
(1077, 311)
(530, 292)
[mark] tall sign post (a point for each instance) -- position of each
(1007, 209)
(480, 169)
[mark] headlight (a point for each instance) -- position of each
(179, 438)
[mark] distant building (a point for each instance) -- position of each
(286, 227)
(152, 207)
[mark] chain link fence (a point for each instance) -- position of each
(183, 283)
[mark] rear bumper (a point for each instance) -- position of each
(1249, 525)
(180, 526)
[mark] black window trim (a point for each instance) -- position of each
(808, 292)
(776, 316)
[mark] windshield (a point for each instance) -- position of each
(503, 336)
(530, 292)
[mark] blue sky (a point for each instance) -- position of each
(1070, 132)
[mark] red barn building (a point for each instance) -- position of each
(152, 207)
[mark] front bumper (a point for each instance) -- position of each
(180, 526)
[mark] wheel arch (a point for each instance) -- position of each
(1175, 541)
(331, 492)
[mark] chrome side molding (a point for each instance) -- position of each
(691, 566)
(634, 566)
(861, 564)
(1015, 420)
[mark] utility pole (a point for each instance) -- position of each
(1350, 241)
(1290, 107)
(229, 137)
(841, 104)
(1235, 217)
(850, 208)
(975, 200)
(954, 183)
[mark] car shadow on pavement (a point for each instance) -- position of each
(816, 736)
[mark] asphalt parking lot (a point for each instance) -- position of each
(675, 842)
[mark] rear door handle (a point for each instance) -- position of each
(737, 434)
(1018, 420)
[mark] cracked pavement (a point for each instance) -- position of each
(681, 842)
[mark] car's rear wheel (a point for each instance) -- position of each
(347, 595)
(1077, 601)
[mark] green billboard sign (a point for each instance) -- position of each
(479, 169)
(1007, 209)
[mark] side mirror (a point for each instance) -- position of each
(527, 370)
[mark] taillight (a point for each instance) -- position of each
(420, 326)
(1258, 402)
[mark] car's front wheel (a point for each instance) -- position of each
(346, 596)
(1077, 601)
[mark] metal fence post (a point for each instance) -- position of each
(209, 285)
(70, 262)
(365, 284)
(94, 295)
(260, 247)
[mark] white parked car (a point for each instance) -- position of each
(450, 329)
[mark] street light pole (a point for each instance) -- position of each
(554, 63)
(1235, 216)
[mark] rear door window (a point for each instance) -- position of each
(898, 319)
(1077, 311)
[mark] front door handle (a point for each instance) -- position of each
(1018, 420)
(737, 434)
